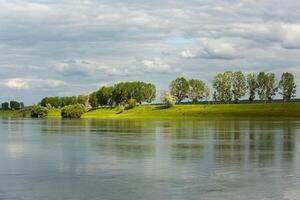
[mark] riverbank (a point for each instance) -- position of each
(184, 111)
(200, 111)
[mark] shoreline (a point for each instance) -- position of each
(183, 111)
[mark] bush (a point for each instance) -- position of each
(168, 100)
(39, 112)
(131, 103)
(120, 109)
(73, 111)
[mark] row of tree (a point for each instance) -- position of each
(107, 96)
(122, 93)
(226, 87)
(232, 86)
(60, 102)
(12, 105)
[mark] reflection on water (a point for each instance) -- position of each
(136, 159)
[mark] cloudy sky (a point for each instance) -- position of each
(70, 47)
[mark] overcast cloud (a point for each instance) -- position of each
(70, 47)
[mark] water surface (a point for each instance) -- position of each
(234, 159)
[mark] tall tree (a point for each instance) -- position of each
(261, 82)
(14, 105)
(104, 96)
(287, 86)
(266, 86)
(197, 90)
(179, 88)
(83, 99)
(238, 85)
(93, 101)
(252, 86)
(271, 86)
(5, 106)
(222, 83)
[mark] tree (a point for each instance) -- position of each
(5, 106)
(168, 100)
(179, 88)
(287, 86)
(222, 83)
(83, 99)
(39, 112)
(73, 111)
(149, 92)
(93, 100)
(197, 90)
(262, 85)
(271, 86)
(252, 86)
(266, 86)
(14, 105)
(238, 86)
(104, 96)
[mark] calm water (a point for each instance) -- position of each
(136, 160)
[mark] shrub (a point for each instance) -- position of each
(39, 112)
(120, 109)
(168, 100)
(73, 111)
(131, 103)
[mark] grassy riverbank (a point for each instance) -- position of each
(201, 111)
(186, 111)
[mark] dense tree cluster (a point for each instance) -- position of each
(120, 93)
(12, 105)
(123, 93)
(193, 89)
(59, 102)
(231, 86)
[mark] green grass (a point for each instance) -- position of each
(11, 113)
(200, 111)
(185, 111)
(54, 113)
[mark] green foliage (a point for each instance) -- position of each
(266, 86)
(197, 90)
(142, 92)
(93, 100)
(73, 111)
(238, 85)
(83, 99)
(38, 112)
(5, 106)
(168, 100)
(287, 86)
(179, 88)
(252, 86)
(105, 96)
(131, 103)
(120, 109)
(14, 105)
(222, 83)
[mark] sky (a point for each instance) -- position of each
(71, 47)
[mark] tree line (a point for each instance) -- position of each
(226, 87)
(232, 86)
(117, 94)
(12, 105)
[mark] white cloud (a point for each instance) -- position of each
(17, 83)
(156, 65)
(212, 49)
(290, 36)
(188, 54)
(28, 83)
